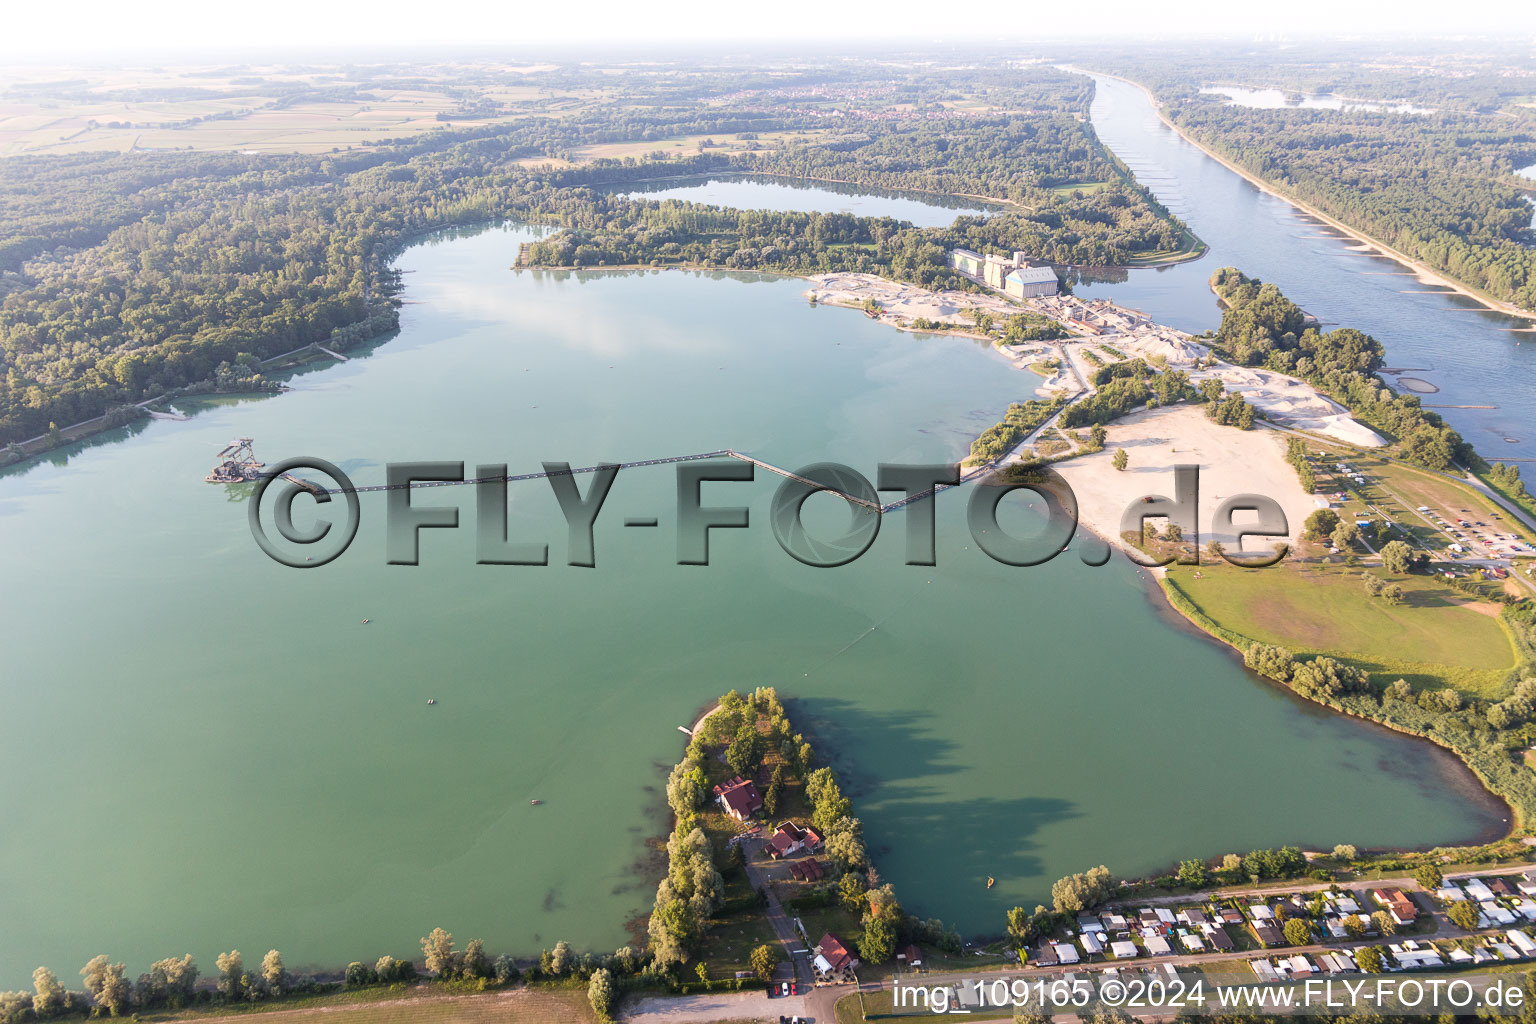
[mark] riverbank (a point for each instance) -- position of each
(1424, 272)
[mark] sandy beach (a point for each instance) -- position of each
(1231, 462)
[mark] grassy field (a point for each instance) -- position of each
(256, 108)
(1436, 636)
(688, 145)
(1402, 489)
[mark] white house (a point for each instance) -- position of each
(1478, 890)
(1124, 949)
(1410, 955)
(1092, 943)
(1496, 913)
(1066, 953)
(1522, 942)
(1264, 969)
(1158, 946)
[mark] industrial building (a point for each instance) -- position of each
(967, 262)
(1031, 282)
(1013, 276)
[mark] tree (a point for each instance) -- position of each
(878, 941)
(1345, 851)
(701, 971)
(600, 993)
(475, 964)
(673, 929)
(1429, 876)
(764, 961)
(1120, 460)
(437, 951)
(1076, 893)
(775, 791)
(505, 971)
(1345, 536)
(1373, 584)
(1321, 524)
(107, 985)
(1397, 557)
(1393, 593)
(686, 787)
(1463, 914)
(1215, 548)
(1370, 960)
(1355, 925)
(1097, 435)
(231, 974)
(560, 959)
(1297, 932)
(845, 844)
(273, 973)
(1021, 927)
(169, 981)
(828, 804)
(48, 995)
(1384, 924)
(851, 890)
(1192, 873)
(746, 750)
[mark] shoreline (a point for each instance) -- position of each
(1425, 273)
(1180, 619)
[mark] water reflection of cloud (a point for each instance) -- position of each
(582, 326)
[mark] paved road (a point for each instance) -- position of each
(782, 926)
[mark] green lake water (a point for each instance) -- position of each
(207, 750)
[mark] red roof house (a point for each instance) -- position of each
(739, 799)
(832, 955)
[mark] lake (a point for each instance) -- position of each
(1274, 99)
(764, 192)
(209, 750)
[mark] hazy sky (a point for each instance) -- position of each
(53, 28)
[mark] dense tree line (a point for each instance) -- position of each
(1261, 327)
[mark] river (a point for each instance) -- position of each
(207, 750)
(1471, 354)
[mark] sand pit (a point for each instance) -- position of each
(1295, 403)
(1231, 462)
(1178, 349)
(906, 301)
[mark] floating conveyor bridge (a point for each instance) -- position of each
(240, 465)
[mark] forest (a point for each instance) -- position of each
(1261, 327)
(125, 276)
(1438, 183)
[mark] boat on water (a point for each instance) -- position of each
(431, 700)
(537, 802)
(991, 881)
